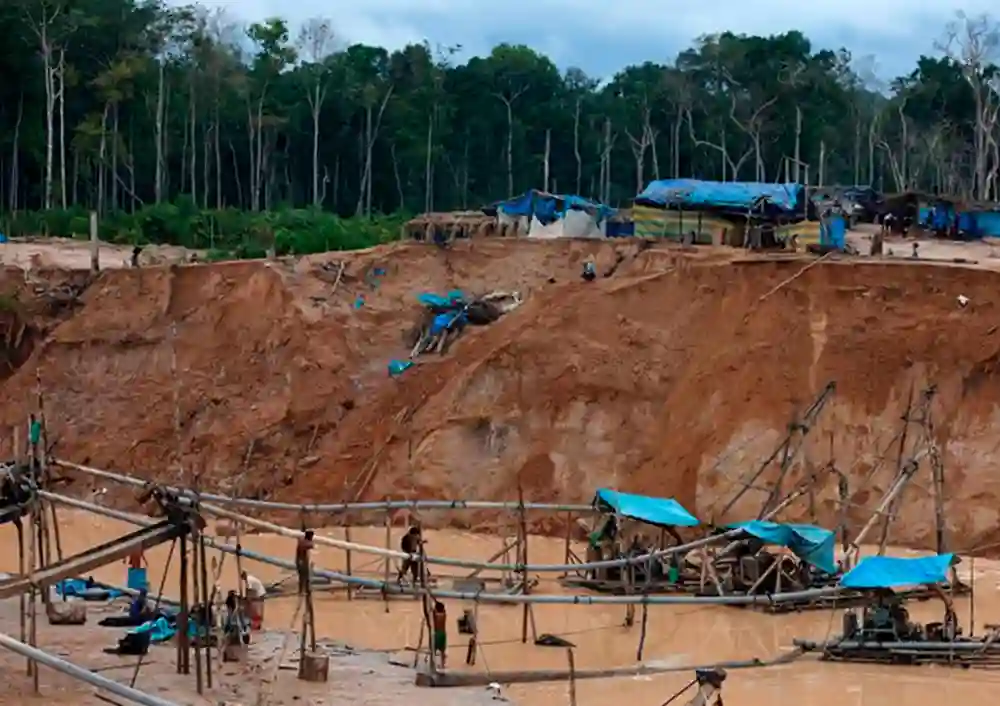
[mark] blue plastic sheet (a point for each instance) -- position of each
(890, 572)
(833, 232)
(664, 512)
(78, 588)
(160, 630)
(548, 207)
(810, 543)
(453, 299)
(398, 367)
(736, 195)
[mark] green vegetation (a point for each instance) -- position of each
(182, 125)
(226, 233)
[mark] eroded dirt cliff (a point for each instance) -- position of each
(672, 377)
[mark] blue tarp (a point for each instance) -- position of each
(160, 630)
(733, 196)
(453, 299)
(833, 232)
(78, 588)
(665, 512)
(889, 572)
(548, 207)
(808, 542)
(398, 367)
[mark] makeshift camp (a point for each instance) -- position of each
(539, 214)
(746, 214)
(449, 226)
(882, 631)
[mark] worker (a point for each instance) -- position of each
(302, 549)
(440, 620)
(136, 251)
(589, 271)
(34, 437)
(138, 608)
(411, 543)
(136, 578)
(255, 593)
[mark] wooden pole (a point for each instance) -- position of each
(972, 595)
(388, 560)
(206, 599)
(95, 247)
(183, 640)
(201, 627)
(347, 560)
(645, 611)
(32, 600)
(569, 536)
(572, 676)
(426, 599)
(19, 525)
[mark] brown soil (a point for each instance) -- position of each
(669, 378)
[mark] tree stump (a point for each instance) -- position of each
(315, 667)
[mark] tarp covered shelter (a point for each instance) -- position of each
(810, 543)
(891, 572)
(738, 197)
(662, 512)
(539, 214)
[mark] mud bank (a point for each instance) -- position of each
(672, 377)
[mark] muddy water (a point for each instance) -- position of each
(679, 635)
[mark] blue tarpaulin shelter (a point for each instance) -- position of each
(548, 207)
(663, 512)
(739, 196)
(890, 572)
(808, 542)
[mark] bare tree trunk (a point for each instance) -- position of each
(236, 176)
(49, 116)
(62, 129)
(822, 164)
(798, 145)
(545, 161)
(15, 157)
(158, 133)
(114, 158)
(193, 130)
(206, 150)
(101, 161)
(576, 145)
(395, 173)
(510, 149)
(317, 106)
(429, 165)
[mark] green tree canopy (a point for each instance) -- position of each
(120, 104)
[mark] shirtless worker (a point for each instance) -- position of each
(302, 549)
(411, 544)
(440, 620)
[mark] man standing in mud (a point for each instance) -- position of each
(302, 550)
(411, 543)
(34, 438)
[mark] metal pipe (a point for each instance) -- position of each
(337, 507)
(505, 598)
(84, 675)
(466, 563)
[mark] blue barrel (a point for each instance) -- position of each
(137, 580)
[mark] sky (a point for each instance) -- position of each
(603, 36)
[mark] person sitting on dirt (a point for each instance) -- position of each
(589, 271)
(411, 543)
(136, 251)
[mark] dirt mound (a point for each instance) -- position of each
(671, 377)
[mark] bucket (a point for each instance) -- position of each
(137, 579)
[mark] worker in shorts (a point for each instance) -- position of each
(440, 622)
(302, 549)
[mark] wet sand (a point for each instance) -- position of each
(680, 635)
